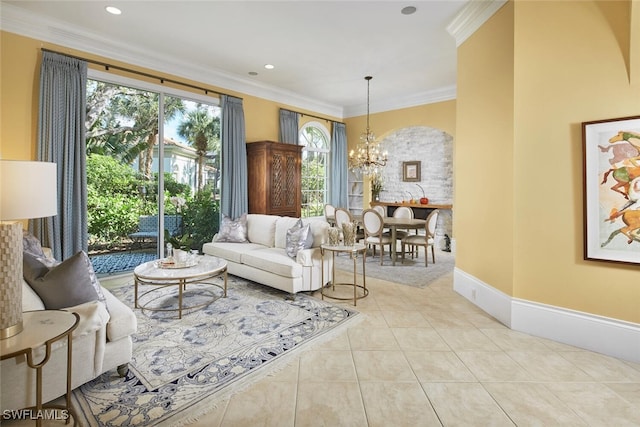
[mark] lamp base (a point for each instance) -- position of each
(10, 331)
(10, 279)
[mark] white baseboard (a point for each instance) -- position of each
(601, 334)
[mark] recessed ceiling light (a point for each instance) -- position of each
(113, 10)
(409, 10)
(269, 66)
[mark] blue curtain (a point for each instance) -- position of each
(289, 126)
(338, 180)
(234, 199)
(61, 139)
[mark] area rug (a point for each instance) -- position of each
(120, 262)
(181, 368)
(411, 272)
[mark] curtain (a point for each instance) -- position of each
(338, 181)
(235, 200)
(61, 139)
(289, 126)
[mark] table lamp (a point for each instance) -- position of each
(28, 189)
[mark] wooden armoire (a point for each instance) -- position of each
(274, 178)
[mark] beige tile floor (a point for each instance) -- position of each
(428, 357)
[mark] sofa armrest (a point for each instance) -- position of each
(93, 317)
(305, 257)
(122, 322)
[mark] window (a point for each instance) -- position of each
(315, 138)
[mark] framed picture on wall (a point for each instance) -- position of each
(611, 153)
(411, 171)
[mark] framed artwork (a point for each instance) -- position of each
(411, 171)
(611, 152)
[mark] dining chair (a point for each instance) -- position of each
(402, 212)
(373, 234)
(427, 239)
(330, 213)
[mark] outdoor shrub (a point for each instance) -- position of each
(201, 217)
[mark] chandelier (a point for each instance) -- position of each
(368, 157)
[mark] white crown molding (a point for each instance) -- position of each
(471, 17)
(16, 20)
(428, 97)
(601, 334)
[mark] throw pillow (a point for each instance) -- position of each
(65, 285)
(31, 244)
(51, 262)
(234, 231)
(298, 237)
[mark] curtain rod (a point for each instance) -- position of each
(140, 73)
(310, 115)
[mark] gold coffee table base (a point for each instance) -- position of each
(353, 251)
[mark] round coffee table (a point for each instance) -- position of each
(161, 275)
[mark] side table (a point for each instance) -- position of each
(42, 328)
(353, 251)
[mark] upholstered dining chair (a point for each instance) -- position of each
(330, 213)
(373, 234)
(427, 239)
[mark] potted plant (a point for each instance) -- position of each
(377, 185)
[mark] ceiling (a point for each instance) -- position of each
(321, 50)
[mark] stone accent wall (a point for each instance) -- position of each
(434, 149)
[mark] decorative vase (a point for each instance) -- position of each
(376, 197)
(349, 234)
(334, 236)
(179, 255)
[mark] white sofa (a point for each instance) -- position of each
(263, 259)
(101, 342)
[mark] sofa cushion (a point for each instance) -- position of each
(64, 285)
(31, 244)
(298, 237)
(273, 260)
(30, 300)
(283, 224)
(319, 230)
(230, 251)
(261, 229)
(232, 230)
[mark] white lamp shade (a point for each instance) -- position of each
(28, 189)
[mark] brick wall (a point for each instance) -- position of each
(434, 149)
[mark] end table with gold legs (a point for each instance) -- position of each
(353, 251)
(43, 328)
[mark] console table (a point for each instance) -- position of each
(419, 211)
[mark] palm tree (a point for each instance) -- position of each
(202, 130)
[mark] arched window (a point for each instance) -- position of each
(315, 138)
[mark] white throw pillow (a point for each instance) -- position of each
(233, 231)
(299, 237)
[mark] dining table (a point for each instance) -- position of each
(394, 224)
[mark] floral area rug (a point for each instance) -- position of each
(182, 367)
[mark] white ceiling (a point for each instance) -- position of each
(321, 49)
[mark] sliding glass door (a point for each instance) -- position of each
(152, 171)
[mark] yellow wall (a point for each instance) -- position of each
(19, 81)
(439, 115)
(483, 155)
(574, 70)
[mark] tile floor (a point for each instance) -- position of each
(428, 357)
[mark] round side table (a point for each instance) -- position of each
(42, 328)
(353, 251)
